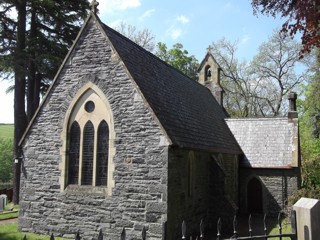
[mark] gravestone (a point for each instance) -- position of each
(308, 217)
(3, 202)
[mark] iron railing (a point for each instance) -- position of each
(235, 236)
(202, 235)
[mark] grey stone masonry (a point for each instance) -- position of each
(139, 197)
(265, 142)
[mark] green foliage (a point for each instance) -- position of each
(6, 156)
(6, 131)
(304, 192)
(302, 16)
(179, 59)
(309, 127)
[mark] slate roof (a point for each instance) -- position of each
(187, 110)
(266, 142)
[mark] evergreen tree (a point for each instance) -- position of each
(34, 38)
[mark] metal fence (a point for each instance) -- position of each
(265, 235)
(202, 235)
(123, 235)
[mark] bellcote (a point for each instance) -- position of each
(209, 76)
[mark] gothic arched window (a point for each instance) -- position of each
(89, 144)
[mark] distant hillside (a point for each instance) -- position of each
(6, 130)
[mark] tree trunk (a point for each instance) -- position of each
(32, 69)
(20, 121)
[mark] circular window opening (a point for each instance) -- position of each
(89, 106)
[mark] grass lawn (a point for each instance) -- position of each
(6, 131)
(8, 214)
(10, 232)
(286, 228)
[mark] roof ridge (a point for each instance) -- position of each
(148, 52)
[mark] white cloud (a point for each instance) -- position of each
(245, 39)
(174, 32)
(183, 19)
(147, 14)
(113, 5)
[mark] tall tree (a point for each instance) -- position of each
(312, 94)
(143, 38)
(274, 69)
(258, 87)
(179, 58)
(235, 79)
(303, 16)
(33, 54)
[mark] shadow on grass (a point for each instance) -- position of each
(10, 236)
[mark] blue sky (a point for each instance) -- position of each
(194, 23)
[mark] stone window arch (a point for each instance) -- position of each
(88, 149)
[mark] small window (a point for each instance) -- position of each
(89, 106)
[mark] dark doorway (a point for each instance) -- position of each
(254, 196)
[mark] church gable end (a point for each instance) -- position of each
(94, 146)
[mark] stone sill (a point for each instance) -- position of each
(77, 189)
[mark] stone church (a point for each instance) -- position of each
(122, 139)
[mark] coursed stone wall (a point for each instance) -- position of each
(139, 195)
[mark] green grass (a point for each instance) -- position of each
(10, 206)
(6, 131)
(9, 214)
(286, 228)
(10, 232)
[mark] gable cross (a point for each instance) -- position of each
(94, 6)
(209, 49)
